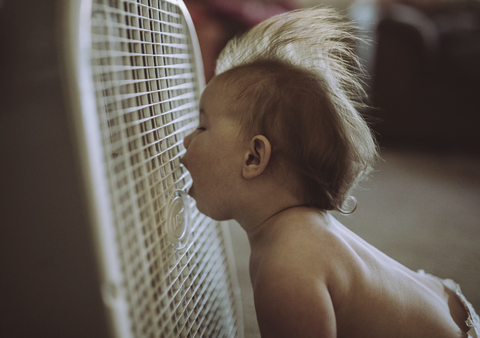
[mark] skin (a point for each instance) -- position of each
(311, 276)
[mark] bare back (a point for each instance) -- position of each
(372, 295)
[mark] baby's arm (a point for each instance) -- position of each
(291, 303)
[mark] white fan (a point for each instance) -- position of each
(131, 77)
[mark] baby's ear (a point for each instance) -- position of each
(257, 157)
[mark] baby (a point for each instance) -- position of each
(279, 144)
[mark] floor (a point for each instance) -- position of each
(420, 208)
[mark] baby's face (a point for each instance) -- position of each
(215, 154)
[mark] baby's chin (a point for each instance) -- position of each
(213, 213)
(190, 192)
(199, 205)
(207, 210)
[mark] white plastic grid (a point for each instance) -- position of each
(147, 99)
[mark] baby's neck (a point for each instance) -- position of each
(264, 235)
(259, 222)
(259, 211)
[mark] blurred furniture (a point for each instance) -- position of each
(426, 88)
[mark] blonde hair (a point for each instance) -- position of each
(296, 80)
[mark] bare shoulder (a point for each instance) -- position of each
(289, 303)
(293, 285)
(309, 244)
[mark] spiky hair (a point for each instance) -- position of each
(317, 39)
(315, 47)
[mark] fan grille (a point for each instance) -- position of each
(147, 98)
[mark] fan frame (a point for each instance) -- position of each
(75, 48)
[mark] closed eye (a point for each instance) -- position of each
(201, 128)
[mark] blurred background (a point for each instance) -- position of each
(421, 205)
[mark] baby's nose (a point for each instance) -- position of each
(186, 141)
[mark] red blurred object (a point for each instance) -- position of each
(251, 13)
(217, 21)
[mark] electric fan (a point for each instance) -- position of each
(108, 242)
